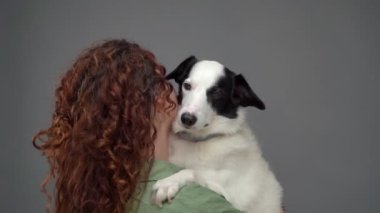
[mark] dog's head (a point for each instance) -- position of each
(210, 96)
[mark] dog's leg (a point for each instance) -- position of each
(167, 188)
(216, 188)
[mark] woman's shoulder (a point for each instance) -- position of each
(191, 198)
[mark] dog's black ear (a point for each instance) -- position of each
(243, 94)
(180, 73)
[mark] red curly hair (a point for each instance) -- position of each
(100, 143)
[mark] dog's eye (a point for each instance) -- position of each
(216, 93)
(186, 86)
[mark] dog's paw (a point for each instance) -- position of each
(165, 189)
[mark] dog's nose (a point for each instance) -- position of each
(188, 119)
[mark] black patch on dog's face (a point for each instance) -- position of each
(229, 93)
(220, 95)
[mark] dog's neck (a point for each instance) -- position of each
(189, 137)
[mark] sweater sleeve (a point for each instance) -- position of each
(192, 198)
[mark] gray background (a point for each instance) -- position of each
(314, 63)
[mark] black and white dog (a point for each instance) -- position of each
(213, 142)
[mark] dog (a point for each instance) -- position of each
(212, 141)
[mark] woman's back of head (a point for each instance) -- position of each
(100, 142)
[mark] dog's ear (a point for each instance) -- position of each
(243, 94)
(180, 73)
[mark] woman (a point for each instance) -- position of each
(107, 143)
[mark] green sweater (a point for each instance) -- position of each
(192, 198)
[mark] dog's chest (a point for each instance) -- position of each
(215, 154)
(193, 155)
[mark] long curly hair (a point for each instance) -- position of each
(100, 142)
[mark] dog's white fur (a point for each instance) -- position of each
(231, 165)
